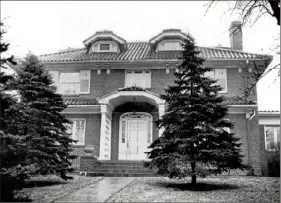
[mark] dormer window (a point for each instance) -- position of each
(171, 45)
(105, 41)
(105, 46)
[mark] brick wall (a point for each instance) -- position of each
(106, 83)
(252, 145)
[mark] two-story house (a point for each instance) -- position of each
(112, 89)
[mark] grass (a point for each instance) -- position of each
(50, 188)
(211, 189)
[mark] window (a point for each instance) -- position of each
(104, 47)
(272, 138)
(170, 46)
(77, 131)
(69, 83)
(138, 78)
(221, 76)
(72, 82)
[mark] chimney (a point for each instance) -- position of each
(235, 35)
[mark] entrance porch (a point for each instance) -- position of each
(128, 124)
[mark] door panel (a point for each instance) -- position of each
(133, 140)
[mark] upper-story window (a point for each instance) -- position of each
(140, 78)
(221, 76)
(72, 83)
(170, 45)
(105, 46)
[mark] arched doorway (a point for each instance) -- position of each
(135, 135)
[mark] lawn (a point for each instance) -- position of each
(212, 189)
(50, 188)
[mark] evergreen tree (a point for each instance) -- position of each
(195, 141)
(12, 176)
(48, 143)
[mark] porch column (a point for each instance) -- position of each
(105, 133)
(161, 112)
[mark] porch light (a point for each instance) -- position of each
(167, 69)
(133, 109)
(250, 70)
(240, 69)
(107, 69)
(98, 69)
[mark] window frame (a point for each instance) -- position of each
(163, 44)
(84, 132)
(275, 139)
(224, 91)
(143, 75)
(96, 47)
(59, 83)
(105, 50)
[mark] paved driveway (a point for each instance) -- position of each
(99, 191)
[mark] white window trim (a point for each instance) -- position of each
(84, 133)
(143, 71)
(79, 92)
(274, 136)
(225, 91)
(169, 40)
(105, 42)
(59, 84)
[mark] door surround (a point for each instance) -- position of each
(129, 116)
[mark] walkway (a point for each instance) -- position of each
(99, 191)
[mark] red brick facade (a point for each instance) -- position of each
(105, 84)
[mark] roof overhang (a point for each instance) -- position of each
(168, 34)
(104, 35)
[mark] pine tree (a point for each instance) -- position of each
(12, 176)
(195, 141)
(48, 143)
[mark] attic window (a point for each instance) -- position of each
(170, 46)
(104, 47)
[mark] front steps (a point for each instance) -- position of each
(122, 169)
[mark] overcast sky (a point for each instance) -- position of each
(46, 27)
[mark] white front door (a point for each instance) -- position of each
(136, 136)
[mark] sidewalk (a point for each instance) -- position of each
(99, 191)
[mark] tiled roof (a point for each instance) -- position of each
(235, 101)
(92, 101)
(79, 101)
(138, 51)
(269, 111)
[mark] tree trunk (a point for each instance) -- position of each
(193, 170)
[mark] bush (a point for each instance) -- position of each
(274, 165)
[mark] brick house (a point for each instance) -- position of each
(112, 89)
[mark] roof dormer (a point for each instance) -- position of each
(168, 40)
(105, 41)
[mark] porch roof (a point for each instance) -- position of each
(93, 101)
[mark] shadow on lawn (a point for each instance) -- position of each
(43, 183)
(199, 186)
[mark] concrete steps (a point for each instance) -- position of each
(122, 169)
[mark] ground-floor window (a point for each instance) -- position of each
(77, 130)
(272, 137)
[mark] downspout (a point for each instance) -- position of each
(248, 140)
